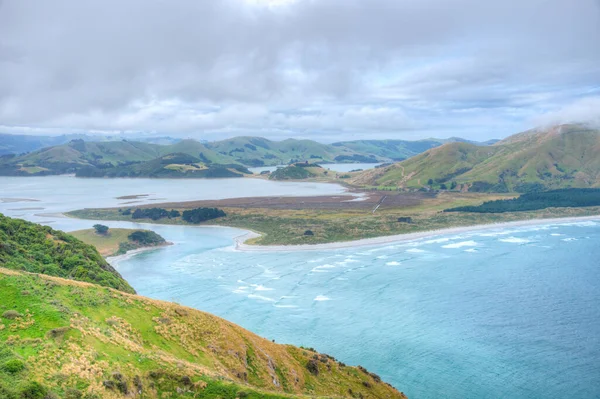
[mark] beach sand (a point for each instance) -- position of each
(241, 246)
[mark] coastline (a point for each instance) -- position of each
(240, 245)
(113, 260)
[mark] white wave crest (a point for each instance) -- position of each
(415, 251)
(321, 298)
(461, 244)
(393, 263)
(515, 240)
(260, 297)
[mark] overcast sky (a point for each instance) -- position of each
(321, 69)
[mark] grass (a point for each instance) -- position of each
(108, 244)
(287, 227)
(76, 339)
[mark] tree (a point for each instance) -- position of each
(453, 185)
(443, 187)
(430, 182)
(101, 229)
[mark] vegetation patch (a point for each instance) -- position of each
(565, 198)
(119, 345)
(40, 249)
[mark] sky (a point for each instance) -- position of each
(327, 70)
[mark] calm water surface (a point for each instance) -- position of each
(338, 167)
(504, 313)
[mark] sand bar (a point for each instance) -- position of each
(241, 246)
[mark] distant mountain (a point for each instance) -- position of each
(78, 154)
(540, 159)
(175, 165)
(21, 143)
(258, 151)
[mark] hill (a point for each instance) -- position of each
(542, 159)
(40, 249)
(257, 151)
(298, 171)
(174, 165)
(79, 154)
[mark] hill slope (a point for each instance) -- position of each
(559, 157)
(73, 339)
(173, 165)
(40, 249)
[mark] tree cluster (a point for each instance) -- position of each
(565, 198)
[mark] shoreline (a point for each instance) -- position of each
(241, 246)
(133, 252)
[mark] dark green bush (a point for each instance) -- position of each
(13, 366)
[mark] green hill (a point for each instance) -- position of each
(559, 157)
(174, 165)
(73, 339)
(257, 151)
(40, 249)
(298, 171)
(78, 154)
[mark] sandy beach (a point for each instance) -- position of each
(114, 260)
(240, 244)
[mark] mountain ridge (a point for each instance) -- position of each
(556, 157)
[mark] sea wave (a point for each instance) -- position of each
(460, 244)
(515, 240)
(260, 297)
(321, 298)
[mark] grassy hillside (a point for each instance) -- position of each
(257, 151)
(77, 154)
(559, 157)
(40, 249)
(173, 165)
(298, 171)
(395, 150)
(116, 241)
(60, 338)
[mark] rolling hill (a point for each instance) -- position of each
(95, 156)
(174, 165)
(558, 157)
(73, 339)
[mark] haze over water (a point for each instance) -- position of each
(491, 314)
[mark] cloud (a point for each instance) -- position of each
(309, 68)
(585, 110)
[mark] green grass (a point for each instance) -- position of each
(115, 242)
(75, 338)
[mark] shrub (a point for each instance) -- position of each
(73, 393)
(13, 366)
(101, 229)
(34, 390)
(313, 367)
(11, 314)
(146, 237)
(309, 233)
(202, 214)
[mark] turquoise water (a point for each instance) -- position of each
(512, 313)
(504, 313)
